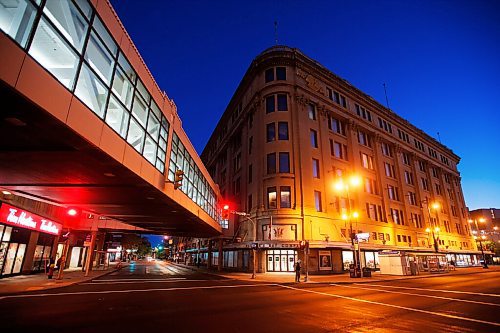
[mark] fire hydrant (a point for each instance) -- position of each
(50, 272)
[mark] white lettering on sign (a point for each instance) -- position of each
(50, 227)
(22, 219)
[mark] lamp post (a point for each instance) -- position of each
(481, 238)
(433, 228)
(254, 250)
(340, 186)
(434, 232)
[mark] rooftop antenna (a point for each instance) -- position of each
(276, 32)
(439, 138)
(386, 99)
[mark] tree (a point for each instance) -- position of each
(136, 243)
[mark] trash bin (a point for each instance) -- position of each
(367, 272)
(352, 271)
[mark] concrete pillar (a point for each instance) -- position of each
(30, 253)
(209, 263)
(219, 268)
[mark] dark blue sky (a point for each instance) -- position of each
(439, 59)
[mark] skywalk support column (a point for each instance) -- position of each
(219, 268)
(90, 253)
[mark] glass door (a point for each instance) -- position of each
(9, 258)
(284, 262)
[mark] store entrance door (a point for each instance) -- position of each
(281, 260)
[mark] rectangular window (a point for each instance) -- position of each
(314, 139)
(54, 54)
(389, 170)
(406, 158)
(336, 125)
(364, 139)
(412, 198)
(68, 20)
(282, 103)
(284, 162)
(271, 132)
(269, 74)
(366, 161)
(117, 117)
(393, 192)
(122, 87)
(386, 149)
(315, 168)
(409, 177)
(311, 111)
(270, 104)
(317, 201)
(135, 135)
(281, 73)
(271, 198)
(282, 130)
(363, 113)
(16, 19)
(338, 150)
(425, 184)
(91, 91)
(285, 197)
(271, 163)
(99, 58)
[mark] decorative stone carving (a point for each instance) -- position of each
(311, 82)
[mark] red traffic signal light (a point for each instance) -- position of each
(225, 212)
(179, 176)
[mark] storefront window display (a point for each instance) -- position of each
(371, 260)
(347, 259)
(281, 260)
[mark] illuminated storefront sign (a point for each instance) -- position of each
(17, 217)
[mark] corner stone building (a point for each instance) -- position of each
(291, 131)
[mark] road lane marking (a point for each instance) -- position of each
(420, 295)
(436, 290)
(440, 314)
(109, 280)
(136, 290)
(128, 282)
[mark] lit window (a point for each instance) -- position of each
(16, 19)
(135, 135)
(91, 91)
(117, 117)
(122, 87)
(317, 201)
(150, 149)
(99, 58)
(68, 20)
(315, 168)
(140, 111)
(285, 197)
(52, 52)
(271, 198)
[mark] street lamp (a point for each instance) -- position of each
(434, 232)
(483, 237)
(433, 227)
(254, 250)
(342, 185)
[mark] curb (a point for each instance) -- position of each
(62, 284)
(354, 281)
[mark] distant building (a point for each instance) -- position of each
(488, 224)
(293, 130)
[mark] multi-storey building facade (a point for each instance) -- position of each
(291, 132)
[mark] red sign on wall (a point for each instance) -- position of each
(20, 218)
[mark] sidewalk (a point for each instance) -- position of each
(35, 282)
(335, 278)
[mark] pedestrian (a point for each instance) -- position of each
(50, 268)
(297, 271)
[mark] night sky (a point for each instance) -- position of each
(439, 59)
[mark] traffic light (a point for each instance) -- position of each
(225, 212)
(179, 176)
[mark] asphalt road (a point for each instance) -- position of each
(158, 297)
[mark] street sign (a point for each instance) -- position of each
(363, 236)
